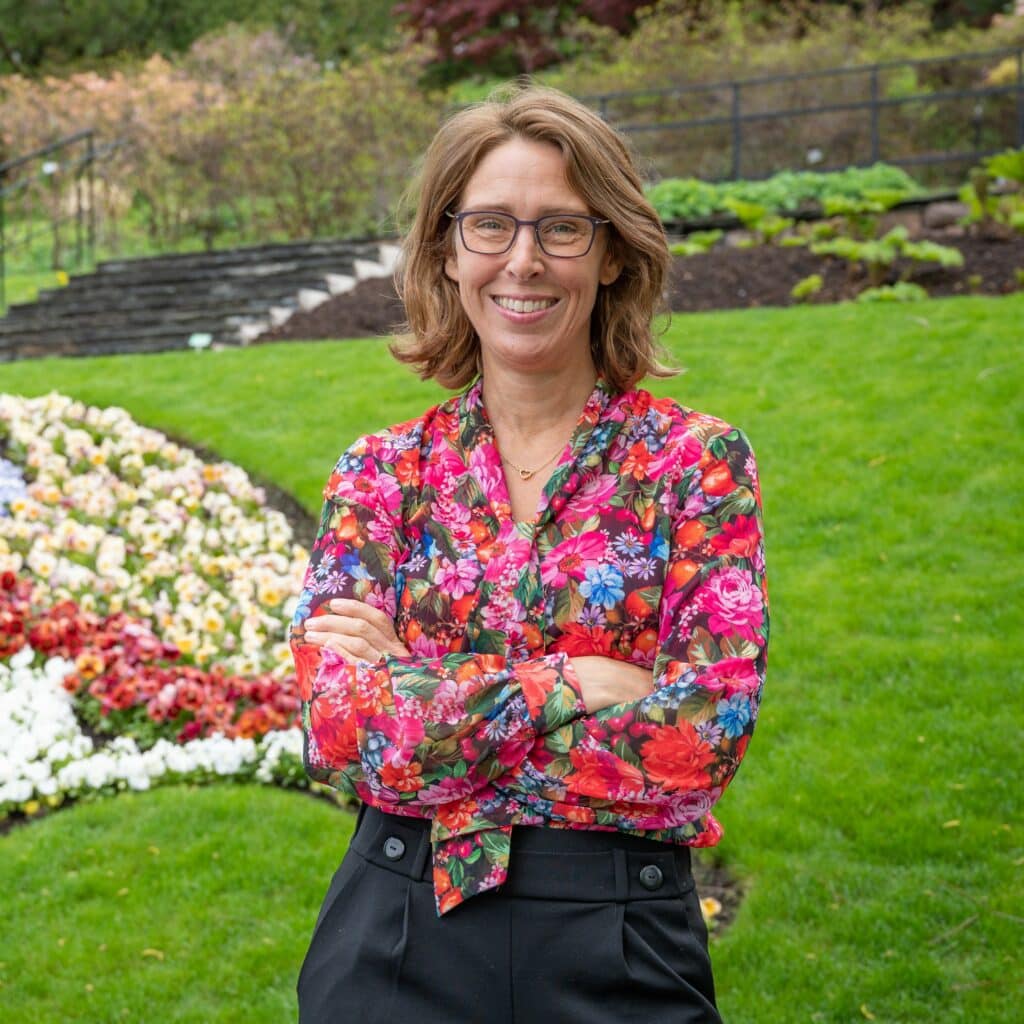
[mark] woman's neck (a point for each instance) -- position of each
(528, 410)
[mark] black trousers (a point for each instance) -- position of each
(589, 927)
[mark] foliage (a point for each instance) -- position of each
(696, 242)
(765, 225)
(724, 41)
(689, 198)
(807, 287)
(902, 291)
(879, 255)
(47, 35)
(861, 213)
(992, 206)
(678, 45)
(510, 36)
(1008, 165)
(242, 137)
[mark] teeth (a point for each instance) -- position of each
(524, 305)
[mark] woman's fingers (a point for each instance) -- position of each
(379, 620)
(349, 650)
(350, 626)
(356, 631)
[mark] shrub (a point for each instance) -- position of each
(241, 135)
(695, 243)
(786, 192)
(902, 291)
(880, 255)
(994, 193)
(807, 287)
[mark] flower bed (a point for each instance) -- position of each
(144, 595)
(45, 758)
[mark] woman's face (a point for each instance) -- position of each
(527, 179)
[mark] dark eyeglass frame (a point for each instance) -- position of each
(595, 222)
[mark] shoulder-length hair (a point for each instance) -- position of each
(439, 340)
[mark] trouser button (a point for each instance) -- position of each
(651, 876)
(394, 848)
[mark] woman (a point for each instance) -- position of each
(532, 634)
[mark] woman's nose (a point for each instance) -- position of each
(525, 258)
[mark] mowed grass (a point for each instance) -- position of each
(876, 821)
(183, 904)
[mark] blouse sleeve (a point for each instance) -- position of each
(664, 761)
(407, 730)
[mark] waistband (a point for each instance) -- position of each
(545, 863)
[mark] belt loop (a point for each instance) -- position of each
(684, 868)
(423, 854)
(621, 875)
(359, 817)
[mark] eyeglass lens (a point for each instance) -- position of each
(559, 235)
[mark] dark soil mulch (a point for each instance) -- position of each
(724, 278)
(764, 276)
(371, 309)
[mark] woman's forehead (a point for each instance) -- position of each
(521, 171)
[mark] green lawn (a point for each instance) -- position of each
(876, 822)
(177, 905)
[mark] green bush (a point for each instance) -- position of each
(807, 287)
(690, 198)
(695, 243)
(902, 291)
(879, 255)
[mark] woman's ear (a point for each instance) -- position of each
(611, 266)
(451, 266)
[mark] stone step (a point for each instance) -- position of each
(267, 269)
(343, 248)
(67, 320)
(72, 320)
(158, 303)
(219, 295)
(157, 338)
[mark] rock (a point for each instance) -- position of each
(944, 215)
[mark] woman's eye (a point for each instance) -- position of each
(562, 228)
(488, 224)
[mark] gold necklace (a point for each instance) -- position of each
(525, 474)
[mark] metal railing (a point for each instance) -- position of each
(744, 112)
(39, 185)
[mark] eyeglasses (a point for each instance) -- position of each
(490, 233)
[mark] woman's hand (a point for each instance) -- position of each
(356, 631)
(607, 681)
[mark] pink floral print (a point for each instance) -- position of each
(647, 547)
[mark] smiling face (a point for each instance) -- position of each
(530, 311)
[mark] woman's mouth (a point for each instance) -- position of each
(523, 305)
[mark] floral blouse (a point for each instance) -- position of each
(646, 547)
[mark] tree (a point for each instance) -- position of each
(55, 34)
(509, 36)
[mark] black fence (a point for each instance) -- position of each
(48, 198)
(936, 117)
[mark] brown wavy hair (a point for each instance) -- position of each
(438, 339)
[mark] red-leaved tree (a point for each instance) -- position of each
(509, 36)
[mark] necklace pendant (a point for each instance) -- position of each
(525, 474)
